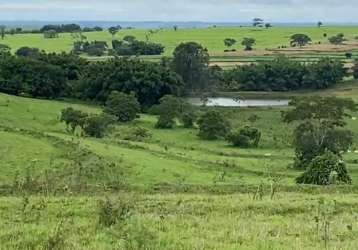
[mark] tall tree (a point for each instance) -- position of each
(2, 31)
(114, 30)
(300, 40)
(257, 22)
(229, 42)
(191, 61)
(248, 43)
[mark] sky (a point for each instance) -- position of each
(181, 10)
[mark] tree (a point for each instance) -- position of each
(97, 125)
(257, 22)
(300, 40)
(326, 169)
(188, 118)
(321, 120)
(245, 137)
(169, 109)
(2, 31)
(337, 39)
(319, 24)
(213, 125)
(4, 49)
(147, 80)
(72, 118)
(349, 55)
(268, 25)
(229, 42)
(129, 39)
(114, 30)
(175, 27)
(49, 34)
(191, 61)
(28, 52)
(123, 106)
(248, 43)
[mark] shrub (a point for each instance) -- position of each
(326, 169)
(135, 134)
(125, 107)
(96, 125)
(245, 137)
(169, 109)
(72, 118)
(213, 125)
(111, 212)
(188, 118)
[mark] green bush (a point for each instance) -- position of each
(213, 125)
(245, 137)
(326, 169)
(125, 107)
(188, 119)
(96, 125)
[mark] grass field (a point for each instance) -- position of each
(183, 192)
(211, 38)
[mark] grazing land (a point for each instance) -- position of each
(183, 192)
(266, 47)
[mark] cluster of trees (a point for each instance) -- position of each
(94, 48)
(246, 42)
(34, 73)
(320, 138)
(61, 28)
(283, 74)
(131, 46)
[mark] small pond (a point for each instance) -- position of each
(230, 102)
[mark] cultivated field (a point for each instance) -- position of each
(175, 191)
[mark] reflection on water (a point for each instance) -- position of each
(230, 102)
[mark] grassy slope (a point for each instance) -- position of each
(196, 221)
(212, 38)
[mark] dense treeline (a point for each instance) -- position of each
(149, 81)
(44, 75)
(134, 47)
(283, 74)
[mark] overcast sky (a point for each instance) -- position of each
(181, 10)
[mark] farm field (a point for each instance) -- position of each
(266, 48)
(174, 190)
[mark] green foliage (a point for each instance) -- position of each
(317, 131)
(4, 49)
(72, 118)
(112, 212)
(94, 48)
(188, 118)
(190, 61)
(213, 125)
(300, 40)
(28, 52)
(50, 34)
(245, 137)
(326, 169)
(124, 106)
(248, 43)
(337, 39)
(148, 81)
(283, 74)
(169, 109)
(97, 125)
(229, 42)
(134, 134)
(131, 46)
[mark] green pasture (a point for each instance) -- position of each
(211, 38)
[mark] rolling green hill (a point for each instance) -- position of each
(173, 190)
